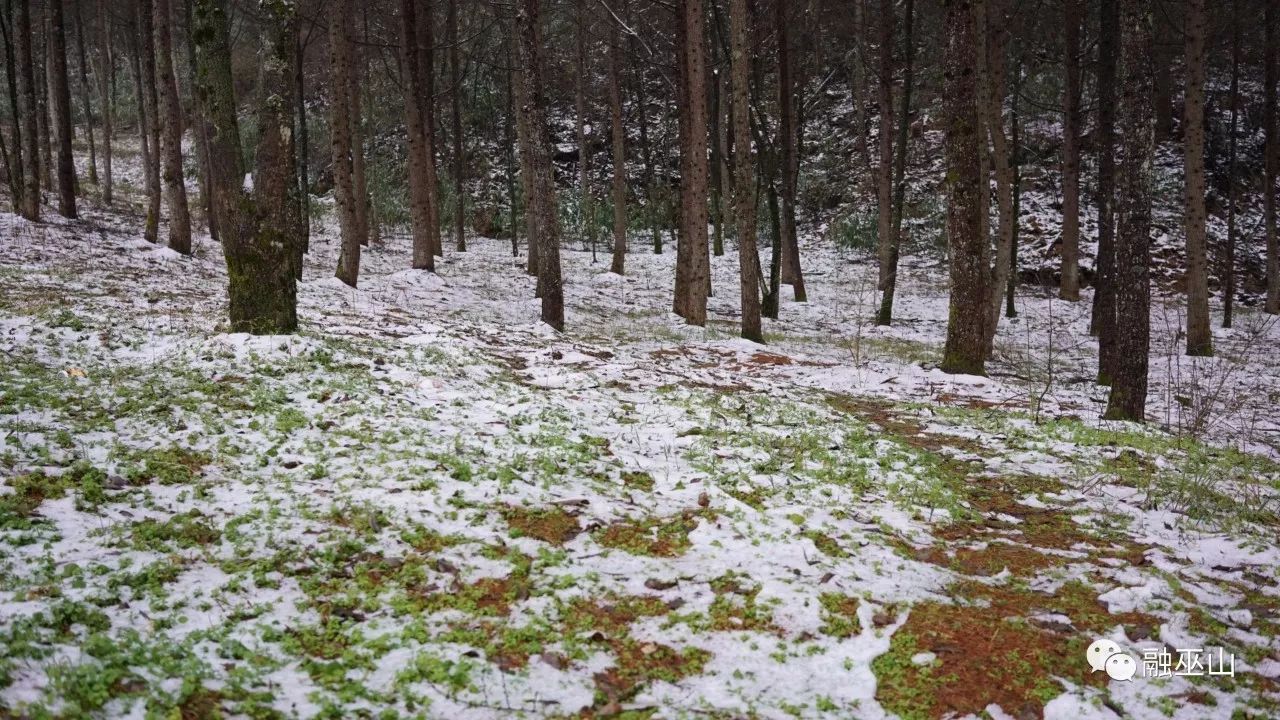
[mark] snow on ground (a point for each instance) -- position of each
(427, 504)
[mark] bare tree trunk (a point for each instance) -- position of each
(884, 169)
(619, 153)
(60, 96)
(459, 156)
(427, 73)
(1199, 336)
(966, 346)
(543, 200)
(1163, 49)
(1104, 306)
(302, 150)
(692, 250)
(44, 124)
(355, 106)
(526, 140)
(745, 183)
(86, 96)
(996, 30)
(200, 129)
(585, 219)
(858, 81)
(1128, 397)
(884, 315)
(509, 140)
(175, 188)
(262, 231)
(340, 129)
(1069, 288)
(1270, 160)
(106, 74)
(1229, 252)
(27, 112)
(792, 273)
(415, 126)
(151, 103)
(13, 160)
(652, 201)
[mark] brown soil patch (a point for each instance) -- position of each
(657, 536)
(550, 524)
(990, 560)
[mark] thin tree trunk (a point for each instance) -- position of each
(1164, 44)
(885, 314)
(1128, 397)
(884, 168)
(151, 101)
(1104, 299)
(106, 75)
(415, 126)
(459, 155)
(744, 193)
(355, 106)
(261, 231)
(619, 153)
(427, 73)
(1069, 288)
(27, 112)
(341, 139)
(543, 200)
(86, 96)
(586, 223)
(526, 141)
(13, 161)
(175, 188)
(302, 151)
(509, 140)
(997, 33)
(200, 131)
(1229, 252)
(1270, 160)
(60, 96)
(1199, 336)
(858, 82)
(44, 125)
(652, 200)
(966, 346)
(1015, 153)
(792, 273)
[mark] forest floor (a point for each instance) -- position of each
(427, 504)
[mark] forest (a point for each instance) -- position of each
(403, 359)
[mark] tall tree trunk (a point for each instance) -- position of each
(619, 153)
(302, 150)
(1069, 288)
(716, 127)
(86, 96)
(1104, 299)
(996, 30)
(459, 156)
(692, 266)
(966, 346)
(509, 140)
(543, 200)
(525, 137)
(13, 160)
(415, 126)
(355, 106)
(858, 81)
(884, 315)
(884, 168)
(340, 115)
(652, 201)
(1163, 48)
(1128, 397)
(1229, 252)
(792, 273)
(1015, 156)
(1199, 336)
(1272, 155)
(151, 103)
(427, 73)
(586, 223)
(261, 230)
(200, 129)
(106, 75)
(744, 193)
(22, 39)
(44, 125)
(175, 189)
(60, 95)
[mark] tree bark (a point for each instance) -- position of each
(858, 81)
(1272, 154)
(1128, 397)
(1104, 306)
(1229, 252)
(884, 168)
(60, 96)
(745, 183)
(427, 73)
(1069, 288)
(884, 316)
(86, 96)
(1199, 336)
(175, 188)
(618, 264)
(792, 273)
(526, 141)
(30, 206)
(586, 223)
(13, 160)
(151, 104)
(106, 73)
(692, 264)
(996, 32)
(459, 155)
(341, 140)
(965, 350)
(355, 106)
(543, 200)
(262, 230)
(415, 127)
